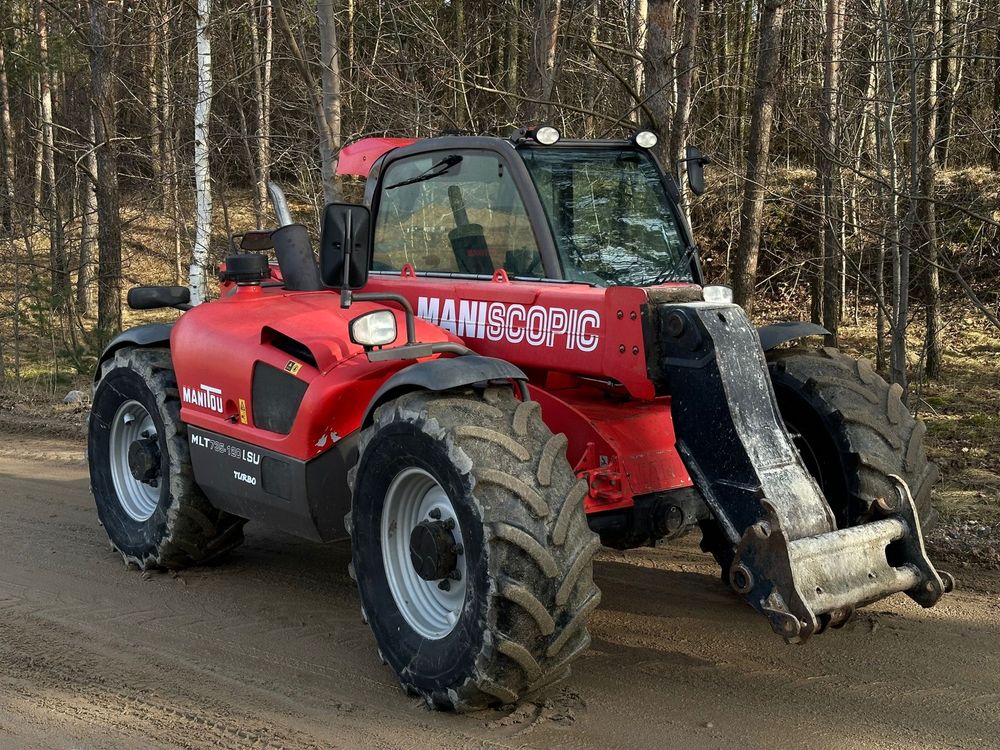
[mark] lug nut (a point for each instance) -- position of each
(435, 513)
(445, 585)
(459, 549)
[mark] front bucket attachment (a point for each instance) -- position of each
(790, 561)
(803, 585)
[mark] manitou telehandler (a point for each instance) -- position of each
(535, 367)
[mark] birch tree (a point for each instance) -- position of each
(202, 172)
(829, 170)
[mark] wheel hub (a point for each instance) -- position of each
(144, 459)
(423, 553)
(432, 549)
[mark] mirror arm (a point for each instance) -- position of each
(411, 326)
(346, 298)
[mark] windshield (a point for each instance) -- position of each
(610, 216)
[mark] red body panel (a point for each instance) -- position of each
(582, 348)
(357, 158)
(216, 346)
(620, 435)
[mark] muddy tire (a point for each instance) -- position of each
(852, 430)
(487, 467)
(162, 520)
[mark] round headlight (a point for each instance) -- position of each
(547, 135)
(376, 328)
(646, 139)
(717, 293)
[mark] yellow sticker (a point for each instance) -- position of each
(243, 411)
(293, 367)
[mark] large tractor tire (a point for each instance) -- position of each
(852, 430)
(471, 547)
(140, 467)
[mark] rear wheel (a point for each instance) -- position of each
(140, 468)
(471, 547)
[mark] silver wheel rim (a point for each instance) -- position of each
(132, 422)
(430, 610)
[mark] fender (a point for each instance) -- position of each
(442, 375)
(789, 330)
(151, 334)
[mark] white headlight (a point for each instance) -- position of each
(376, 328)
(646, 139)
(547, 135)
(717, 294)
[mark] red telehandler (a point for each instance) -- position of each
(502, 360)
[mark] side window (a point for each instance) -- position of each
(453, 212)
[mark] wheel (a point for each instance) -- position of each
(852, 430)
(140, 468)
(471, 547)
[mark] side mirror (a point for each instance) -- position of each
(345, 246)
(696, 162)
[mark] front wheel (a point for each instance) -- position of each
(853, 433)
(852, 430)
(471, 547)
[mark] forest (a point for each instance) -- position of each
(854, 143)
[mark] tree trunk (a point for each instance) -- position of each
(330, 53)
(88, 227)
(659, 70)
(202, 171)
(462, 116)
(57, 251)
(928, 213)
(153, 101)
(109, 242)
(262, 79)
(10, 147)
(540, 81)
(685, 79)
(751, 215)
(640, 24)
(829, 167)
(39, 172)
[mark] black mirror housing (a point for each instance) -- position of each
(696, 162)
(156, 297)
(345, 242)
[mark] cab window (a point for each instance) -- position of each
(453, 212)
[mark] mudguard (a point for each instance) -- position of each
(151, 334)
(789, 330)
(442, 375)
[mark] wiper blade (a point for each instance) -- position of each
(435, 170)
(671, 273)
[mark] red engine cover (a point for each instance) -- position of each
(216, 346)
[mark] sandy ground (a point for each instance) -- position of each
(267, 650)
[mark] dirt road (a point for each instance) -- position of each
(267, 650)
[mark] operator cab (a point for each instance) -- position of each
(601, 213)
